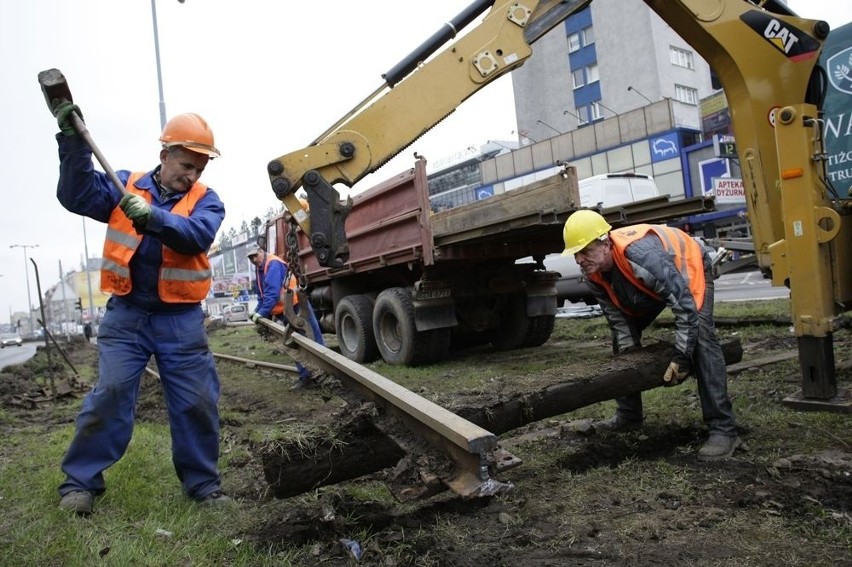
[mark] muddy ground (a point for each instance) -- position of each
(580, 498)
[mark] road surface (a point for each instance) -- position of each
(740, 286)
(16, 355)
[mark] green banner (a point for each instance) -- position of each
(836, 59)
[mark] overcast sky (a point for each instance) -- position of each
(268, 75)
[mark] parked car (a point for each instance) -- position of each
(236, 312)
(11, 339)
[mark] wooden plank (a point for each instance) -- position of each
(758, 362)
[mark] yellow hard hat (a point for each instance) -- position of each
(190, 131)
(582, 228)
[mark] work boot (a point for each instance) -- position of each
(617, 423)
(303, 382)
(718, 447)
(79, 501)
(216, 499)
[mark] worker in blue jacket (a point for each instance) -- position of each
(273, 275)
(155, 267)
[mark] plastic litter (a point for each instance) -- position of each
(353, 547)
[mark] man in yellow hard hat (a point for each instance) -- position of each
(156, 268)
(637, 271)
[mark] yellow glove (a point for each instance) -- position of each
(678, 369)
(255, 317)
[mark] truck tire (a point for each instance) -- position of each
(353, 323)
(514, 325)
(439, 344)
(396, 333)
(539, 330)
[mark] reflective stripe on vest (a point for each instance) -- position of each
(184, 278)
(278, 308)
(687, 255)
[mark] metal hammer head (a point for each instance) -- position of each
(54, 87)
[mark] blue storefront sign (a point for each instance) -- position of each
(664, 147)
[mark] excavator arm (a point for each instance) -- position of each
(767, 61)
(414, 97)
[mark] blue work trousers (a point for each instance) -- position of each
(127, 339)
(312, 321)
(709, 368)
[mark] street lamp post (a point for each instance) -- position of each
(159, 71)
(632, 88)
(602, 105)
(543, 123)
(523, 134)
(27, 274)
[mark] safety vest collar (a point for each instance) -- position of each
(685, 253)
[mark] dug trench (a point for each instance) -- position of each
(581, 497)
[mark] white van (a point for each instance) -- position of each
(234, 313)
(607, 190)
(611, 189)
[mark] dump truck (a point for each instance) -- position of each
(418, 281)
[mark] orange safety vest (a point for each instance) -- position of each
(278, 309)
(184, 278)
(687, 255)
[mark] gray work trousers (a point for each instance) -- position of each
(708, 366)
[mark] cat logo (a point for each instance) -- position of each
(779, 36)
(789, 40)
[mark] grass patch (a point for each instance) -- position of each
(636, 499)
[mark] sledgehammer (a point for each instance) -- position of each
(55, 87)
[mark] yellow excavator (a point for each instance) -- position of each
(766, 59)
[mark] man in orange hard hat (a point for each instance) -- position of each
(156, 268)
(637, 271)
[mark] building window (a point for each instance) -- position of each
(687, 95)
(579, 78)
(592, 74)
(597, 111)
(582, 115)
(588, 36)
(573, 42)
(681, 57)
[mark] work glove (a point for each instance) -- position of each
(136, 208)
(255, 317)
(62, 111)
(678, 369)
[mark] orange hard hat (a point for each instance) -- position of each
(190, 131)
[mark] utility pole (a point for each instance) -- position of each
(65, 326)
(27, 274)
(88, 276)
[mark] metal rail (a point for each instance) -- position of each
(251, 362)
(472, 449)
